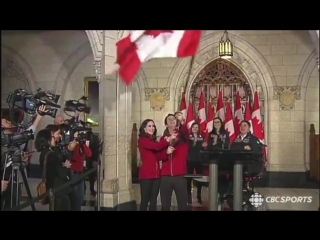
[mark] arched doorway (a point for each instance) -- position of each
(224, 75)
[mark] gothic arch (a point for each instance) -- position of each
(221, 74)
(246, 58)
(68, 67)
(252, 64)
(314, 34)
(307, 70)
(96, 43)
(22, 64)
(141, 79)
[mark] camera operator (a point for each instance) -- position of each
(10, 129)
(58, 120)
(57, 172)
(77, 151)
(80, 152)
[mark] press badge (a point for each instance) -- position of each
(87, 143)
(84, 163)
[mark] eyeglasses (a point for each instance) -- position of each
(217, 122)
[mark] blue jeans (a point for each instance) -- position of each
(78, 195)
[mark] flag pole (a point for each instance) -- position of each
(189, 73)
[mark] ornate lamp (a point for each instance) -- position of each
(225, 46)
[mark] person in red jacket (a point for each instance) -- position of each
(80, 152)
(174, 165)
(149, 173)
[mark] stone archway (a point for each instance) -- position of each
(221, 75)
(307, 70)
(18, 66)
(252, 64)
(96, 41)
(68, 67)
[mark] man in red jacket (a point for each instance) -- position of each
(174, 164)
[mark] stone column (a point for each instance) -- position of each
(115, 118)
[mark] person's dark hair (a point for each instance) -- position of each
(43, 139)
(169, 115)
(247, 122)
(166, 131)
(142, 132)
(195, 123)
(222, 130)
(53, 128)
(64, 127)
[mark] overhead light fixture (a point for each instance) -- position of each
(225, 46)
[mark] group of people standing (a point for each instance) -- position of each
(178, 151)
(63, 163)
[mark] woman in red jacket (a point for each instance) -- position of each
(174, 165)
(149, 172)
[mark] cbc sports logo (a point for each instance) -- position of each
(257, 200)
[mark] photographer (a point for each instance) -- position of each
(56, 171)
(80, 152)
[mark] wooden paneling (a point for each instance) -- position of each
(314, 154)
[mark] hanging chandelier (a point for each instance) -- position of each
(225, 46)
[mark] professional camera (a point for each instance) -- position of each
(30, 103)
(8, 140)
(76, 105)
(68, 130)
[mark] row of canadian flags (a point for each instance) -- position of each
(231, 121)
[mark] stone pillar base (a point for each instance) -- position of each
(123, 200)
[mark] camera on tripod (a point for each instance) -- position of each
(8, 140)
(30, 103)
(77, 105)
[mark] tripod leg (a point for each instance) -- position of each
(25, 182)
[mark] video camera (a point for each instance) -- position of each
(8, 140)
(68, 131)
(30, 103)
(76, 105)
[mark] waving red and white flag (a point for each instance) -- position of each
(220, 107)
(142, 45)
(238, 116)
(228, 126)
(202, 120)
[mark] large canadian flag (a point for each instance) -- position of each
(209, 127)
(247, 115)
(202, 120)
(190, 116)
(229, 122)
(257, 122)
(220, 107)
(183, 106)
(142, 45)
(238, 116)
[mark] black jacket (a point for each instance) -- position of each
(222, 135)
(248, 140)
(56, 174)
(195, 145)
